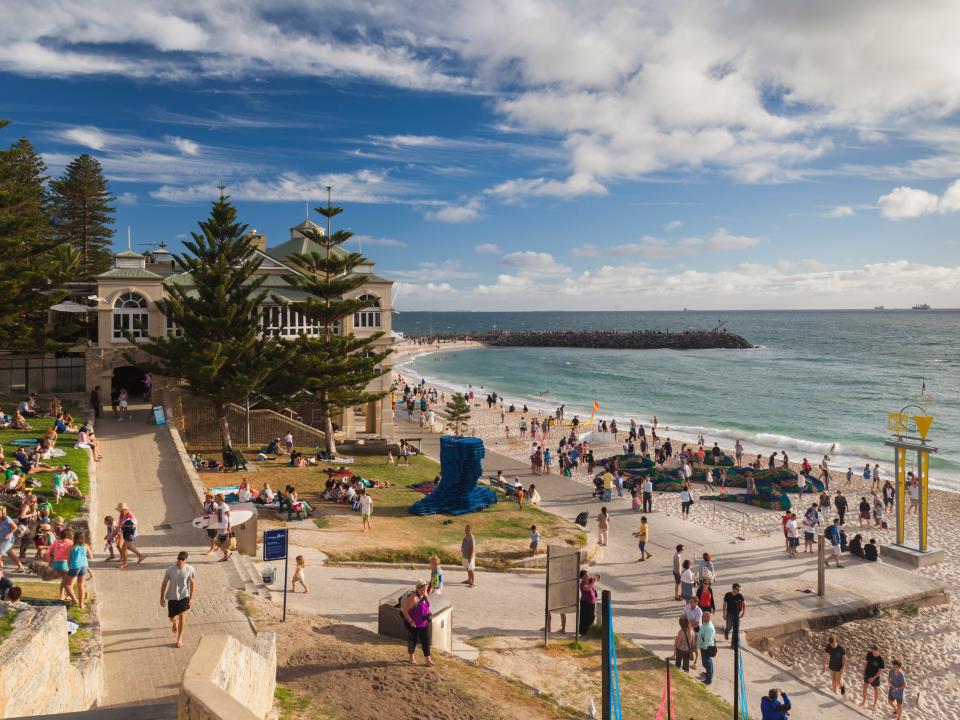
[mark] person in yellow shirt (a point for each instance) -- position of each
(607, 486)
(643, 535)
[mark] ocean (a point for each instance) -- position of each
(816, 380)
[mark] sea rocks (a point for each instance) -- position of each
(634, 340)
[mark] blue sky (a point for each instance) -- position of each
(529, 154)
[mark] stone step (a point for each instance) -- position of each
(250, 576)
(153, 711)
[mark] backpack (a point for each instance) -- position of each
(581, 519)
(128, 529)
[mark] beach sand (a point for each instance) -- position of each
(925, 640)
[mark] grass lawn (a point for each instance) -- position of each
(39, 590)
(502, 531)
(69, 507)
(571, 672)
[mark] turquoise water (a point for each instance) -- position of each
(816, 379)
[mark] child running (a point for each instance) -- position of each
(298, 575)
(110, 539)
(436, 576)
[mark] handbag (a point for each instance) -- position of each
(710, 651)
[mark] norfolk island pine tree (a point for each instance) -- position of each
(218, 349)
(331, 368)
(458, 412)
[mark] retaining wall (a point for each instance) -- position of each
(226, 680)
(36, 675)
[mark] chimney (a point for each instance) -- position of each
(257, 240)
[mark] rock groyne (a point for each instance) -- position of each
(636, 340)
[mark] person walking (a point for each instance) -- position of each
(864, 515)
(832, 534)
(603, 526)
(177, 591)
(647, 494)
(834, 661)
(96, 403)
(366, 509)
(643, 535)
(127, 535)
(707, 645)
(792, 529)
(78, 567)
(683, 645)
(686, 581)
(872, 667)
(677, 569)
(825, 472)
(686, 501)
(416, 613)
(468, 554)
(734, 608)
(898, 683)
(8, 536)
(840, 503)
(588, 600)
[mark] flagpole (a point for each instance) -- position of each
(607, 710)
(669, 693)
(736, 666)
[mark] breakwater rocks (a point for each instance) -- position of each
(641, 340)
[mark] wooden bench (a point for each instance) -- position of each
(508, 489)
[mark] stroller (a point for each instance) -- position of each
(598, 487)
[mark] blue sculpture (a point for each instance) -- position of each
(460, 468)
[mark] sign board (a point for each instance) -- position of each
(563, 583)
(159, 418)
(274, 545)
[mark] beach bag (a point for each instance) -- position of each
(128, 530)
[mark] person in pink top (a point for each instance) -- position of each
(58, 555)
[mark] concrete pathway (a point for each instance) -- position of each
(644, 609)
(140, 468)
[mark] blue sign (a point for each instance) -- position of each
(274, 545)
(159, 418)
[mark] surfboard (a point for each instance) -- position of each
(237, 517)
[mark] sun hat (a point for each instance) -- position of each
(122, 506)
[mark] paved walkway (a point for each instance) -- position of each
(644, 609)
(141, 664)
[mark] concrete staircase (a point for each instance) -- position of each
(250, 577)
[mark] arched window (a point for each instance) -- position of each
(369, 317)
(130, 316)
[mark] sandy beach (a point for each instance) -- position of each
(924, 640)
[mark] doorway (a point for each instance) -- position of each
(131, 379)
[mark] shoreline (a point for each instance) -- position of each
(544, 406)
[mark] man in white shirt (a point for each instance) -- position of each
(647, 494)
(221, 512)
(366, 509)
(793, 535)
(693, 613)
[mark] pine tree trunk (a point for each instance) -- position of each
(225, 439)
(331, 441)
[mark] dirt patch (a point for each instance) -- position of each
(330, 670)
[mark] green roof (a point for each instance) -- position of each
(130, 274)
(298, 246)
(128, 254)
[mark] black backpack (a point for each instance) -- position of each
(581, 519)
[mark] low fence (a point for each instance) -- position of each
(200, 425)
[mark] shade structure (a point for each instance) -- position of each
(72, 307)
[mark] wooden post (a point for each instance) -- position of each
(821, 567)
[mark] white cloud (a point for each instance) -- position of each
(453, 213)
(907, 202)
(361, 240)
(534, 263)
(487, 249)
(806, 283)
(655, 248)
(841, 211)
(363, 186)
(185, 146)
(511, 191)
(91, 137)
(430, 271)
(127, 198)
(673, 225)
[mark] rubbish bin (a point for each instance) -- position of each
(390, 622)
(269, 574)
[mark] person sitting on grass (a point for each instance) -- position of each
(86, 439)
(19, 422)
(266, 495)
(13, 603)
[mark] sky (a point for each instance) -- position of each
(525, 154)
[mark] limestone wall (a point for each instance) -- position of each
(226, 680)
(36, 675)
